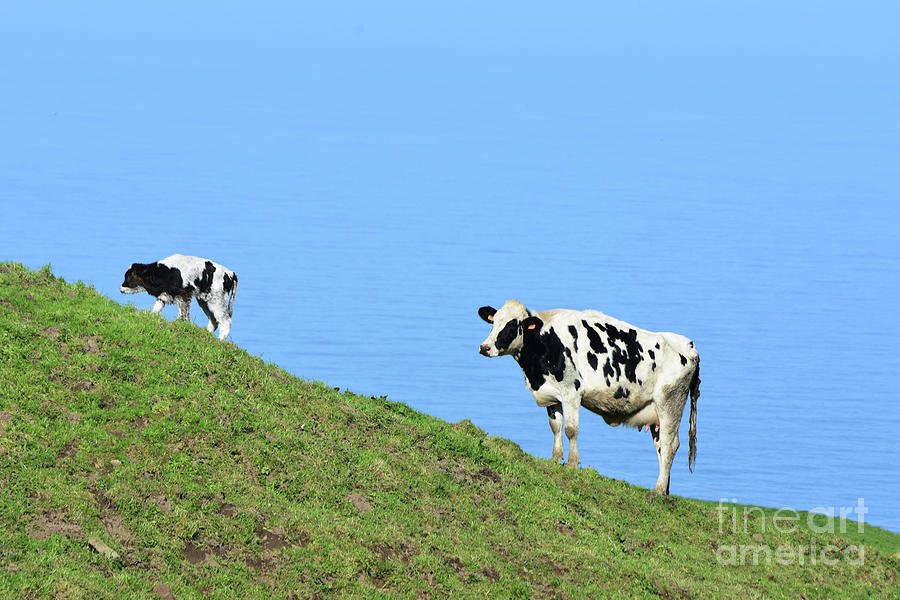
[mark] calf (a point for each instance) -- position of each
(178, 278)
(626, 375)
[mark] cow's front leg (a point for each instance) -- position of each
(157, 306)
(555, 413)
(571, 408)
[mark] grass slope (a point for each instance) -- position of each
(211, 473)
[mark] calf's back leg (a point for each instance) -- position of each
(219, 309)
(213, 324)
(224, 327)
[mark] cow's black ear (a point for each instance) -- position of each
(532, 325)
(487, 313)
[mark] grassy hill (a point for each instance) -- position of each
(141, 458)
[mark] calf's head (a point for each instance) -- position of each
(134, 279)
(510, 328)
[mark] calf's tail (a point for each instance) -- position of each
(233, 294)
(695, 393)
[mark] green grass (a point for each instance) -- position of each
(217, 475)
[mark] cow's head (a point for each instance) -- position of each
(134, 279)
(511, 324)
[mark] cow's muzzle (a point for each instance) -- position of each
(485, 349)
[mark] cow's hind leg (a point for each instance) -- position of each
(666, 442)
(219, 308)
(213, 324)
(555, 414)
(224, 327)
(654, 433)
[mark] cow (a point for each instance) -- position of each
(628, 376)
(178, 278)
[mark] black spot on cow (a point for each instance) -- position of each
(204, 282)
(508, 334)
(594, 337)
(626, 351)
(554, 361)
(613, 334)
(568, 352)
(652, 355)
(542, 355)
(229, 282)
(657, 346)
(691, 344)
(574, 331)
(592, 360)
(577, 384)
(608, 371)
(653, 366)
(683, 359)
(618, 359)
(600, 326)
(621, 393)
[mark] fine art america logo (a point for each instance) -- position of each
(752, 521)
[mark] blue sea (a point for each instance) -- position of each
(374, 173)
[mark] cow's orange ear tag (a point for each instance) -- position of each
(532, 326)
(491, 318)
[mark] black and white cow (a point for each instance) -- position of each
(178, 278)
(628, 376)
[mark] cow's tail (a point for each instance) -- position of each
(695, 393)
(233, 294)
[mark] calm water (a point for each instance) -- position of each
(374, 178)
